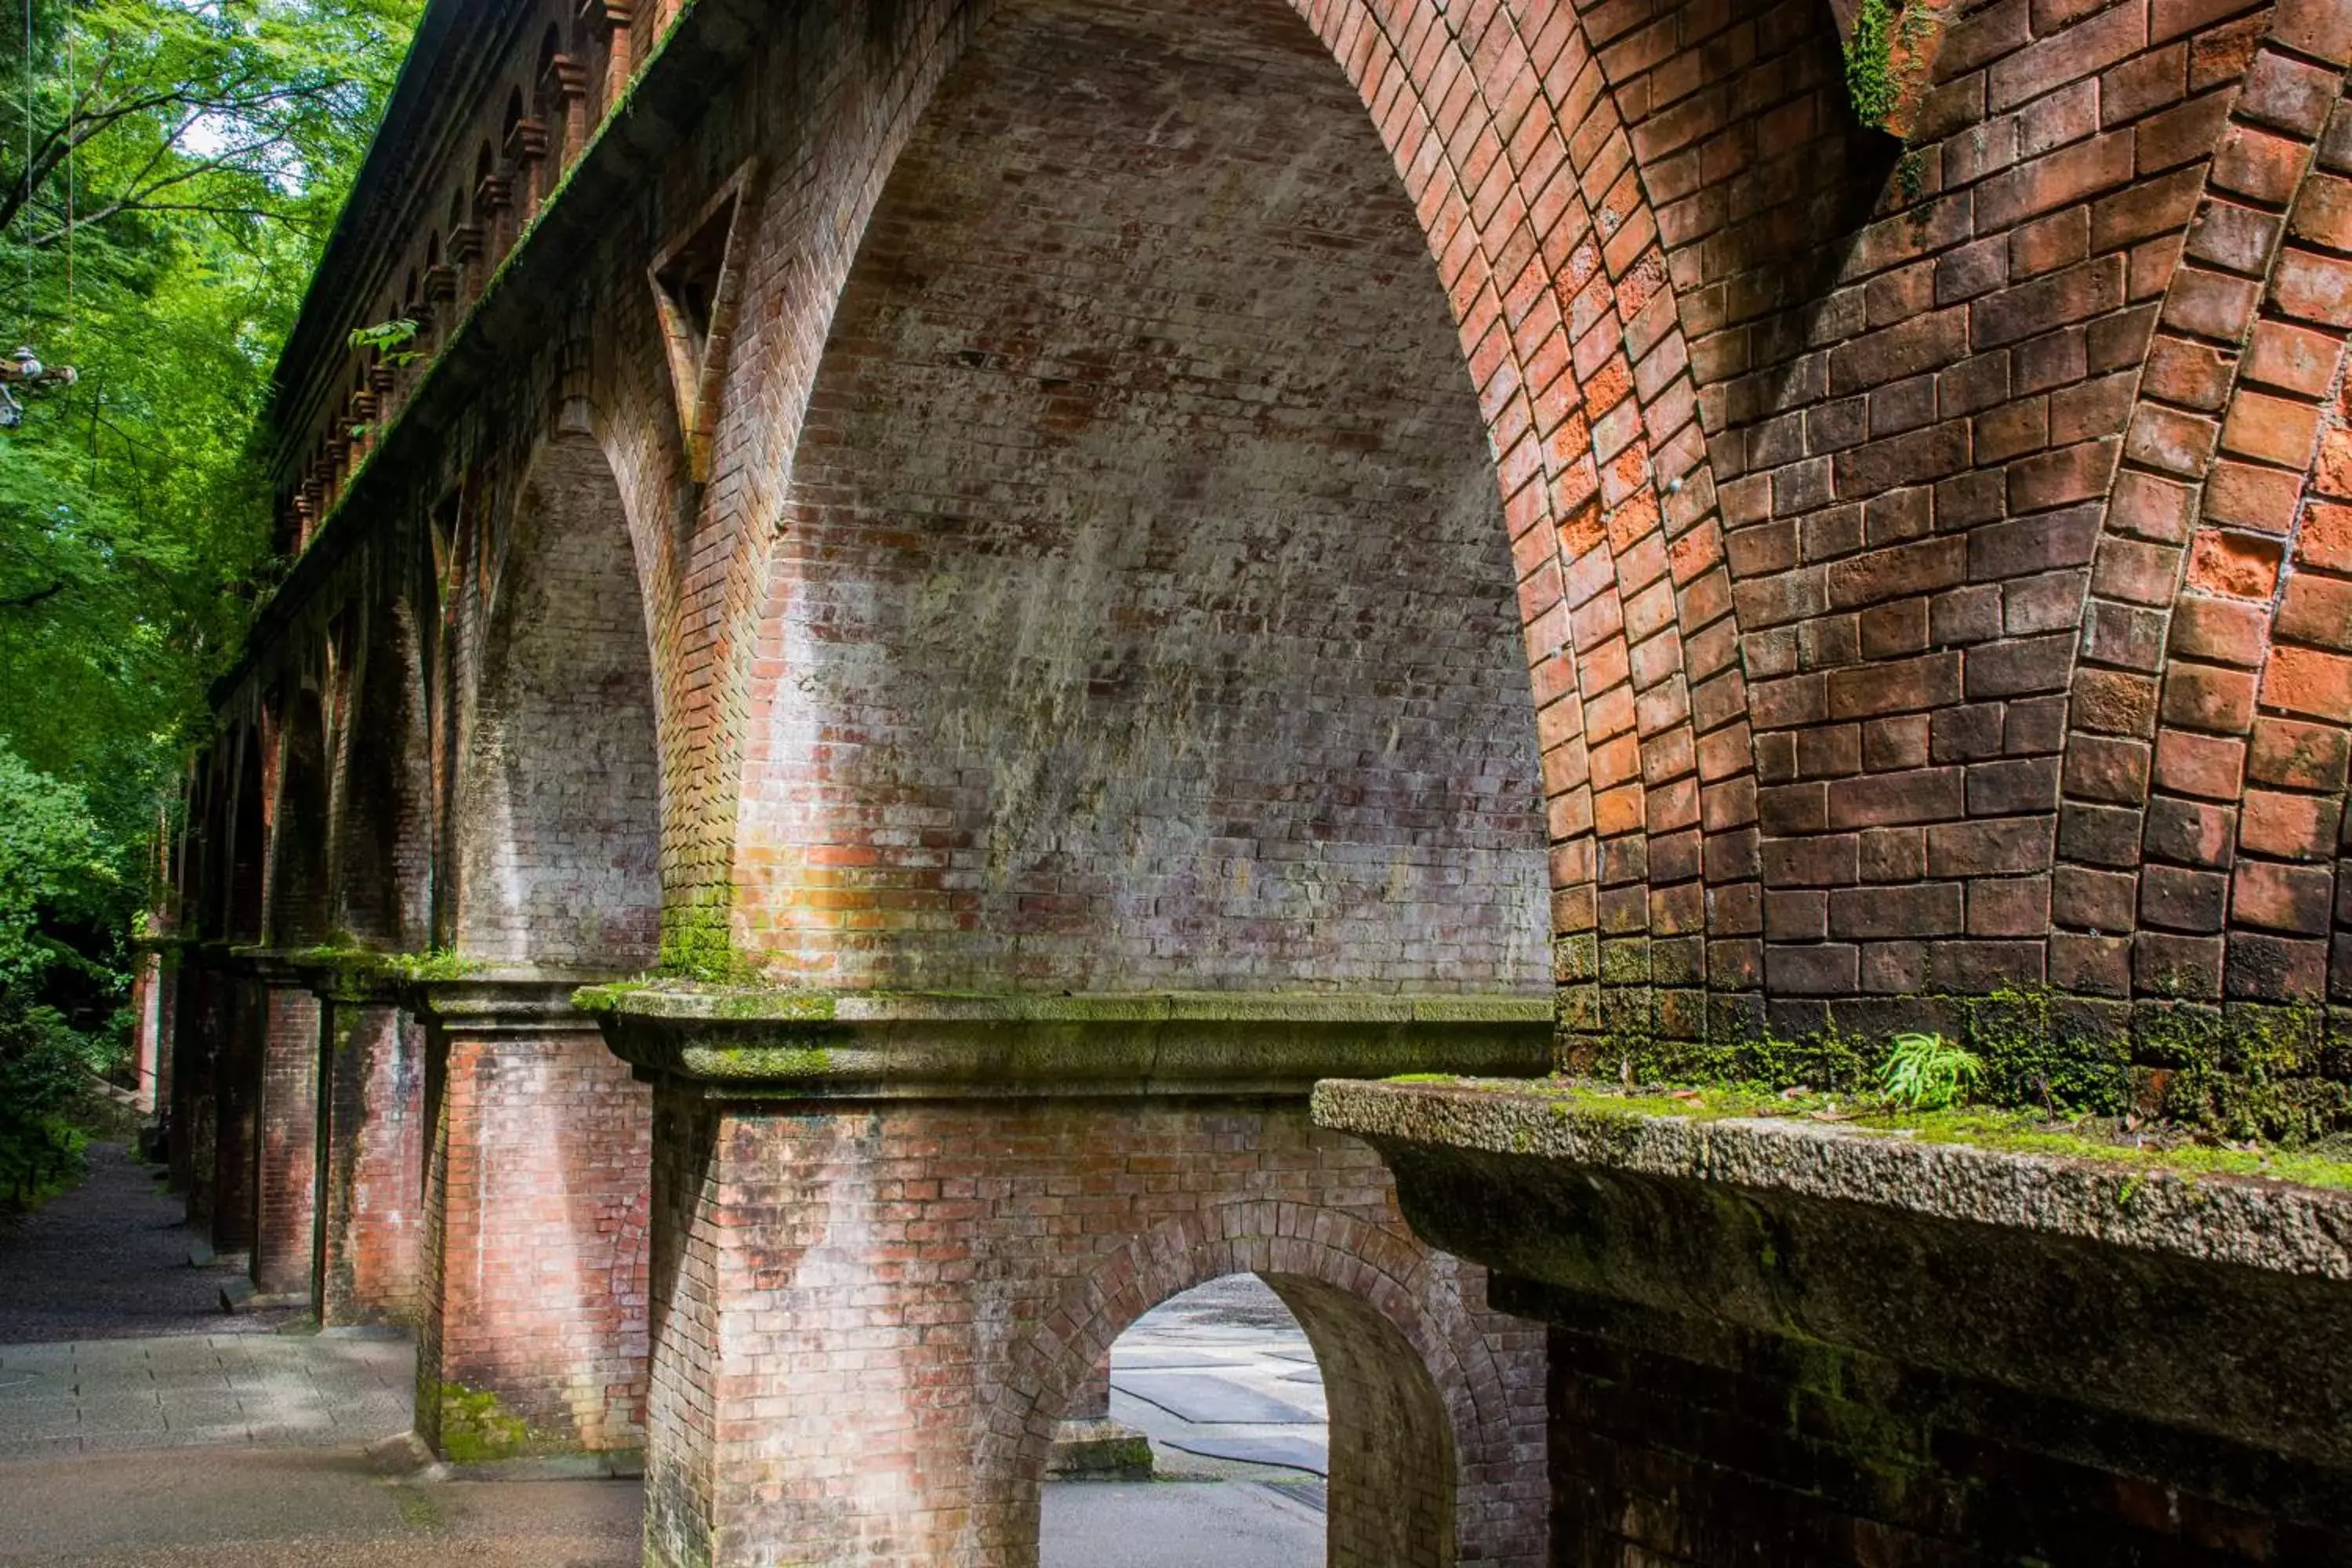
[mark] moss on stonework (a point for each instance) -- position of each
(2111, 1140)
(476, 1428)
(2279, 1073)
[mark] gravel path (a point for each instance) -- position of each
(109, 1261)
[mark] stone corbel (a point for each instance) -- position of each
(526, 149)
(611, 20)
(567, 81)
(494, 197)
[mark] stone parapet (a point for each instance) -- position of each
(2114, 1315)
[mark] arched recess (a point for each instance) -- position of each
(387, 822)
(1425, 1444)
(1144, 614)
(559, 833)
(300, 898)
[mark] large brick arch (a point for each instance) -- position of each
(2205, 759)
(1419, 1412)
(1556, 309)
(559, 817)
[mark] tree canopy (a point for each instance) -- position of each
(169, 171)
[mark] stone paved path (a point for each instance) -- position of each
(109, 1261)
(291, 1391)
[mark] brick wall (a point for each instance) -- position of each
(535, 1252)
(1678, 1443)
(385, 817)
(1142, 612)
(371, 1171)
(872, 1317)
(286, 1168)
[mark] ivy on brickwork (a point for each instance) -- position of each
(1870, 84)
(2280, 1074)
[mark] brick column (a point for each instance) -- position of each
(370, 1155)
(202, 1000)
(152, 1019)
(236, 1109)
(286, 1122)
(890, 1255)
(533, 1336)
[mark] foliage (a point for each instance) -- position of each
(1869, 63)
(169, 171)
(1927, 1072)
(44, 1071)
(390, 338)
(425, 968)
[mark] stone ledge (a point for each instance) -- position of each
(2246, 1221)
(744, 1044)
(2220, 1306)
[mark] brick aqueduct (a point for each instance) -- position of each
(1066, 569)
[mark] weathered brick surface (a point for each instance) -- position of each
(1680, 1442)
(871, 1318)
(372, 1177)
(285, 1157)
(1846, 571)
(535, 1241)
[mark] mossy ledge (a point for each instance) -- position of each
(2275, 1072)
(2294, 1218)
(2136, 1150)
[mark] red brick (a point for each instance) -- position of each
(2241, 565)
(2305, 680)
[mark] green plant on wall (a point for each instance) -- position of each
(1870, 63)
(1927, 1072)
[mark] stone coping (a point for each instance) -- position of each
(733, 1043)
(2096, 1289)
(2247, 1221)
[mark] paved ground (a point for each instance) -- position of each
(263, 1508)
(109, 1261)
(1221, 1381)
(140, 1427)
(219, 1391)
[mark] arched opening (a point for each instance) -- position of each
(1221, 1383)
(299, 896)
(1144, 602)
(1304, 1424)
(387, 823)
(560, 825)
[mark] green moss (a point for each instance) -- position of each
(1425, 1078)
(2278, 1073)
(699, 945)
(2015, 1131)
(438, 964)
(476, 1427)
